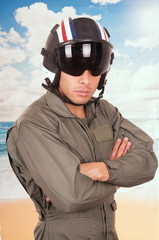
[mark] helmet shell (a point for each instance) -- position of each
(74, 30)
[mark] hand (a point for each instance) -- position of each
(97, 171)
(120, 148)
(47, 199)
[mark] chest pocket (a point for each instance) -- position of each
(103, 142)
(77, 140)
(103, 133)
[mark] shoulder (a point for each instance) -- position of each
(37, 114)
(105, 104)
(36, 121)
(107, 108)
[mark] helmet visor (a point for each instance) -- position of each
(75, 58)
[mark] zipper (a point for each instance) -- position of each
(104, 221)
(90, 136)
(103, 212)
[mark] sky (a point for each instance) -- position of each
(132, 84)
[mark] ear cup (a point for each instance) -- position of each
(102, 81)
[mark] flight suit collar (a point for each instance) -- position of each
(60, 108)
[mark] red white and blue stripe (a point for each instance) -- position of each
(66, 31)
(102, 33)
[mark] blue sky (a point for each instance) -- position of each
(133, 84)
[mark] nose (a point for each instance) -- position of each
(85, 77)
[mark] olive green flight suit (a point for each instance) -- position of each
(46, 146)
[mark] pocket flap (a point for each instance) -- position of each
(114, 205)
(103, 133)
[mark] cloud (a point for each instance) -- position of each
(104, 2)
(34, 87)
(144, 43)
(134, 93)
(11, 55)
(95, 17)
(39, 25)
(10, 84)
(146, 78)
(11, 37)
(10, 80)
(17, 93)
(18, 90)
(124, 59)
(124, 89)
(3, 39)
(14, 37)
(147, 19)
(39, 20)
(146, 24)
(10, 49)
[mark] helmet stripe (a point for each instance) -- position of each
(63, 31)
(59, 33)
(66, 30)
(105, 35)
(99, 32)
(72, 28)
(102, 34)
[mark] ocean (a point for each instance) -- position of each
(10, 188)
(4, 126)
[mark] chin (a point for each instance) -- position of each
(81, 101)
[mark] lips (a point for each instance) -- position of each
(83, 93)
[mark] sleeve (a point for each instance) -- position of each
(139, 164)
(56, 170)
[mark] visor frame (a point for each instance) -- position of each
(86, 65)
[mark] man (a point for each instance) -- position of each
(72, 151)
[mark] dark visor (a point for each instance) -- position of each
(75, 58)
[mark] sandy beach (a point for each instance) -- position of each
(136, 218)
(18, 219)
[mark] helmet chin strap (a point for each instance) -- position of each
(65, 99)
(53, 87)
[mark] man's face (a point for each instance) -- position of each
(79, 89)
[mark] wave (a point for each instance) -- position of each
(10, 187)
(6, 128)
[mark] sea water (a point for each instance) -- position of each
(10, 186)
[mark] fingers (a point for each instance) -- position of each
(47, 199)
(120, 148)
(115, 149)
(128, 146)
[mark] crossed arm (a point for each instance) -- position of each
(98, 170)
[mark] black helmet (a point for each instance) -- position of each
(77, 45)
(69, 38)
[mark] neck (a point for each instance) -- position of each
(78, 111)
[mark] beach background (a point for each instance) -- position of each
(137, 216)
(132, 86)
